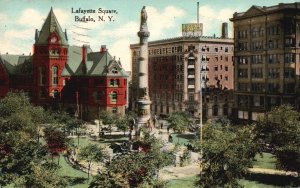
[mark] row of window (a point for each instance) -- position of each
(259, 31)
(214, 49)
(270, 87)
(272, 73)
(271, 58)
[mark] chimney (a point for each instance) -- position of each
(84, 57)
(224, 30)
(84, 53)
(103, 48)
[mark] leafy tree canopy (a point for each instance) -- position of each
(227, 155)
(279, 129)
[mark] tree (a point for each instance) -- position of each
(227, 155)
(135, 169)
(108, 118)
(20, 151)
(179, 122)
(57, 141)
(44, 176)
(279, 129)
(92, 153)
(124, 123)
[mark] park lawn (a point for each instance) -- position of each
(254, 184)
(187, 182)
(267, 160)
(183, 139)
(67, 170)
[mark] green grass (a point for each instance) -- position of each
(67, 170)
(267, 160)
(182, 139)
(254, 184)
(187, 182)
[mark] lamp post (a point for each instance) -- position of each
(201, 123)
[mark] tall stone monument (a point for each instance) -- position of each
(143, 101)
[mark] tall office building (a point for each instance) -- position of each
(266, 58)
(179, 67)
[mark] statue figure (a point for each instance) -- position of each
(143, 15)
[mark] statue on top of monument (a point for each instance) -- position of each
(143, 17)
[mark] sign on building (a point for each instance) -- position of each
(192, 30)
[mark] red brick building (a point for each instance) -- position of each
(59, 76)
(179, 67)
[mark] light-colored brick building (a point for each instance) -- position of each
(266, 58)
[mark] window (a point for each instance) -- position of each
(42, 76)
(114, 82)
(257, 73)
(257, 87)
(226, 68)
(216, 68)
(242, 60)
(256, 59)
(289, 73)
(290, 58)
(113, 97)
(273, 58)
(54, 75)
(114, 70)
(242, 87)
(273, 73)
(273, 87)
(242, 73)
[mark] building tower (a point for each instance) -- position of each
(143, 101)
(49, 59)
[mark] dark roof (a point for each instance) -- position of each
(51, 25)
(16, 64)
(96, 63)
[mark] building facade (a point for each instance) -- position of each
(59, 76)
(179, 67)
(266, 58)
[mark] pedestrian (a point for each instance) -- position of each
(161, 125)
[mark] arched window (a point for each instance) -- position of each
(42, 76)
(113, 97)
(54, 75)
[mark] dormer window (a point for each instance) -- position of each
(114, 70)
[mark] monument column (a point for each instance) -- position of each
(143, 101)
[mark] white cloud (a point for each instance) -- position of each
(31, 18)
(212, 20)
(121, 50)
(158, 22)
(3, 17)
(126, 30)
(17, 41)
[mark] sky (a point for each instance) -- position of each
(20, 18)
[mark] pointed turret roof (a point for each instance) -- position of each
(51, 25)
